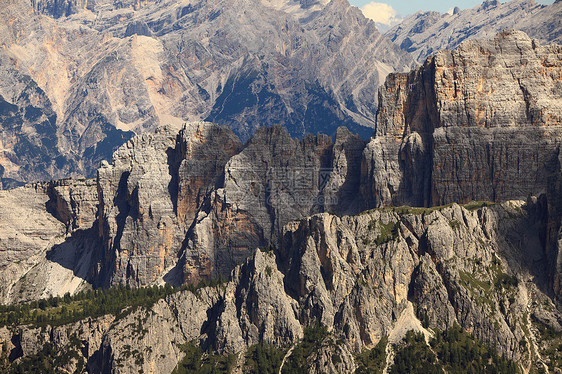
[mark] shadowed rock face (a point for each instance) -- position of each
(48, 239)
(483, 122)
(272, 181)
(151, 194)
(105, 70)
(191, 206)
(179, 206)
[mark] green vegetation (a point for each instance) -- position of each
(314, 339)
(389, 232)
(506, 281)
(550, 343)
(462, 353)
(475, 205)
(404, 209)
(414, 356)
(268, 270)
(47, 360)
(419, 210)
(197, 361)
(452, 351)
(268, 249)
(118, 301)
(470, 281)
(373, 360)
(455, 224)
(263, 358)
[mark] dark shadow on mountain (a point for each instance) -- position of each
(174, 161)
(527, 241)
(80, 252)
(123, 206)
(175, 276)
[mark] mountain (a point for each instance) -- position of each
(426, 33)
(80, 78)
(479, 123)
(365, 277)
(304, 253)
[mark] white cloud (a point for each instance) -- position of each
(380, 13)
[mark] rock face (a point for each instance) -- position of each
(480, 123)
(272, 181)
(363, 277)
(179, 207)
(191, 206)
(48, 242)
(426, 33)
(151, 194)
(80, 78)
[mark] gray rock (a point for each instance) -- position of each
(479, 123)
(425, 33)
(101, 71)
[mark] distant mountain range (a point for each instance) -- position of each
(426, 33)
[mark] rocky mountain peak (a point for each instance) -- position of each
(421, 142)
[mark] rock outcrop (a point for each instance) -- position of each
(150, 196)
(426, 33)
(212, 202)
(48, 242)
(479, 123)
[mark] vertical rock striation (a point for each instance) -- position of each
(150, 194)
(479, 123)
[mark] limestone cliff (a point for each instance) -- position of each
(189, 206)
(48, 242)
(151, 194)
(479, 123)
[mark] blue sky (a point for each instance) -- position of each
(401, 8)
